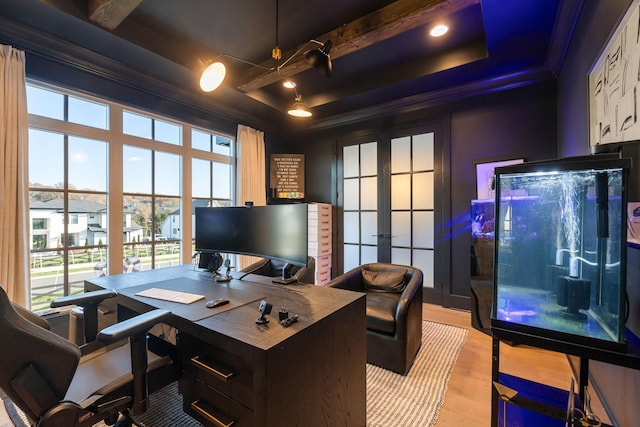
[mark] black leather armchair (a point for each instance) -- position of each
(273, 268)
(59, 384)
(394, 311)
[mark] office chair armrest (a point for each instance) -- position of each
(84, 299)
(134, 326)
(89, 302)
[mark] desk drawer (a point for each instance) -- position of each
(220, 368)
(211, 407)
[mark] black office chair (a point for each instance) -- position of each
(394, 311)
(58, 384)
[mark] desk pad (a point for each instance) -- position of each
(196, 310)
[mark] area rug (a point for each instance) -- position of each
(415, 399)
(392, 399)
(165, 411)
(16, 416)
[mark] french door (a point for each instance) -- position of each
(390, 194)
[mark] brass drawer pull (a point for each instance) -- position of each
(208, 416)
(223, 376)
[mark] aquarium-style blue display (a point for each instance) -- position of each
(560, 251)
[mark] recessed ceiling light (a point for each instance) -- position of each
(439, 30)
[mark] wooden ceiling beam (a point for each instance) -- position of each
(389, 21)
(110, 13)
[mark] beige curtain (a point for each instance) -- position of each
(251, 181)
(251, 167)
(14, 177)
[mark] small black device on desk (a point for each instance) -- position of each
(216, 302)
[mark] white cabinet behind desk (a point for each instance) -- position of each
(319, 246)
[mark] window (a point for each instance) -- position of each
(212, 143)
(39, 241)
(147, 127)
(71, 141)
(64, 250)
(151, 190)
(39, 224)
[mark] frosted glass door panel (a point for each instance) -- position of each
(401, 226)
(400, 192)
(369, 159)
(351, 161)
(369, 228)
(360, 203)
(351, 194)
(404, 233)
(412, 203)
(401, 160)
(423, 259)
(423, 190)
(423, 229)
(423, 152)
(352, 227)
(369, 254)
(401, 256)
(368, 194)
(351, 257)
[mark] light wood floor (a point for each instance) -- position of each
(468, 399)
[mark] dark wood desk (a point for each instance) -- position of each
(312, 373)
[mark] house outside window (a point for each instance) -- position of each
(39, 224)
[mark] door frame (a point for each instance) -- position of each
(441, 293)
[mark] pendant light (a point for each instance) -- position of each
(298, 109)
(212, 76)
(214, 71)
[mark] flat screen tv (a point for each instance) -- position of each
(273, 231)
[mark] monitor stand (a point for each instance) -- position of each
(284, 281)
(286, 278)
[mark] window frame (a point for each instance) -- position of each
(116, 139)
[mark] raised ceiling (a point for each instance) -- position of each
(383, 60)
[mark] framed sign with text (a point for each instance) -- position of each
(287, 176)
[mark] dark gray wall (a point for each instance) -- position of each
(518, 123)
(619, 387)
(597, 20)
